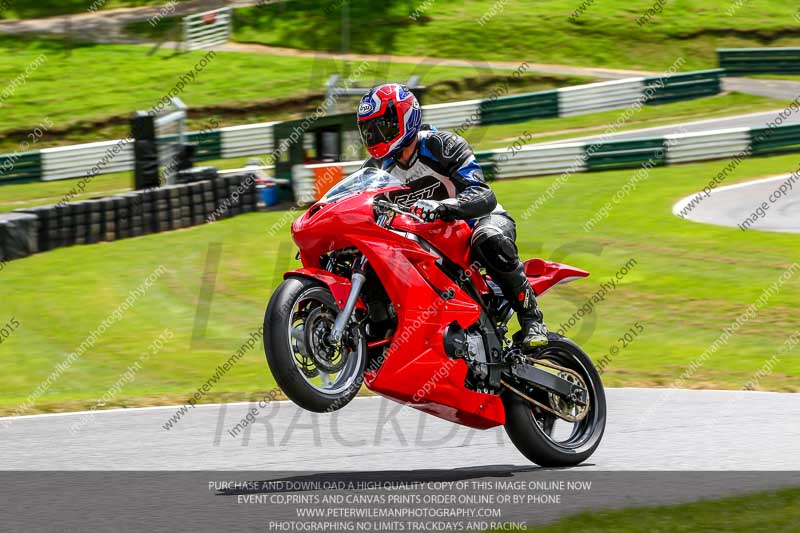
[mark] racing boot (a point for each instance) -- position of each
(518, 291)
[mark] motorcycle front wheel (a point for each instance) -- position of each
(539, 434)
(314, 373)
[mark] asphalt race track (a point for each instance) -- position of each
(661, 447)
(648, 429)
(737, 204)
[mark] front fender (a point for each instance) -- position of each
(338, 285)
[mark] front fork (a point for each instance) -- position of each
(357, 283)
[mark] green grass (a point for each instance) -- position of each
(51, 8)
(86, 86)
(606, 34)
(776, 511)
(691, 280)
(787, 77)
(542, 130)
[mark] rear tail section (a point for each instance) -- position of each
(543, 275)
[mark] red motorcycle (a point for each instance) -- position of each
(390, 301)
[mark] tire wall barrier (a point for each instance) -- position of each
(744, 61)
(258, 139)
(132, 214)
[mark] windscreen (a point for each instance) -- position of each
(365, 179)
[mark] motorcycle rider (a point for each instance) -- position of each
(446, 182)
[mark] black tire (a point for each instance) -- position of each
(281, 360)
(527, 435)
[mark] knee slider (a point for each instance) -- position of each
(494, 249)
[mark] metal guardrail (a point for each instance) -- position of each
(598, 97)
(631, 153)
(20, 167)
(251, 139)
(744, 61)
(571, 157)
(258, 139)
(723, 144)
(86, 159)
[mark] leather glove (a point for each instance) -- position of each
(428, 210)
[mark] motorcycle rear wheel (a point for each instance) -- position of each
(316, 376)
(536, 432)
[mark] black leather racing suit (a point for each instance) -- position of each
(444, 168)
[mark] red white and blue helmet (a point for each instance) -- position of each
(389, 119)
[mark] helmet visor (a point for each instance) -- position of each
(382, 129)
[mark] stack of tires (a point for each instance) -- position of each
(18, 235)
(131, 214)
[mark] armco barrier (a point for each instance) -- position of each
(519, 108)
(209, 144)
(569, 158)
(90, 159)
(687, 86)
(779, 140)
(634, 153)
(258, 139)
(251, 139)
(703, 146)
(598, 97)
(537, 161)
(744, 61)
(572, 157)
(20, 167)
(454, 115)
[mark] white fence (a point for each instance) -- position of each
(257, 139)
(207, 29)
(702, 146)
(251, 139)
(445, 116)
(538, 161)
(87, 159)
(569, 158)
(598, 97)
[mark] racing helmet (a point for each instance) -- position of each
(389, 119)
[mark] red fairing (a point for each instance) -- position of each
(542, 275)
(339, 285)
(415, 370)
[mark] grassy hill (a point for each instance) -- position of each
(604, 33)
(87, 90)
(51, 8)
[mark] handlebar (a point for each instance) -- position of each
(397, 208)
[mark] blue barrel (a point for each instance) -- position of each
(268, 194)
